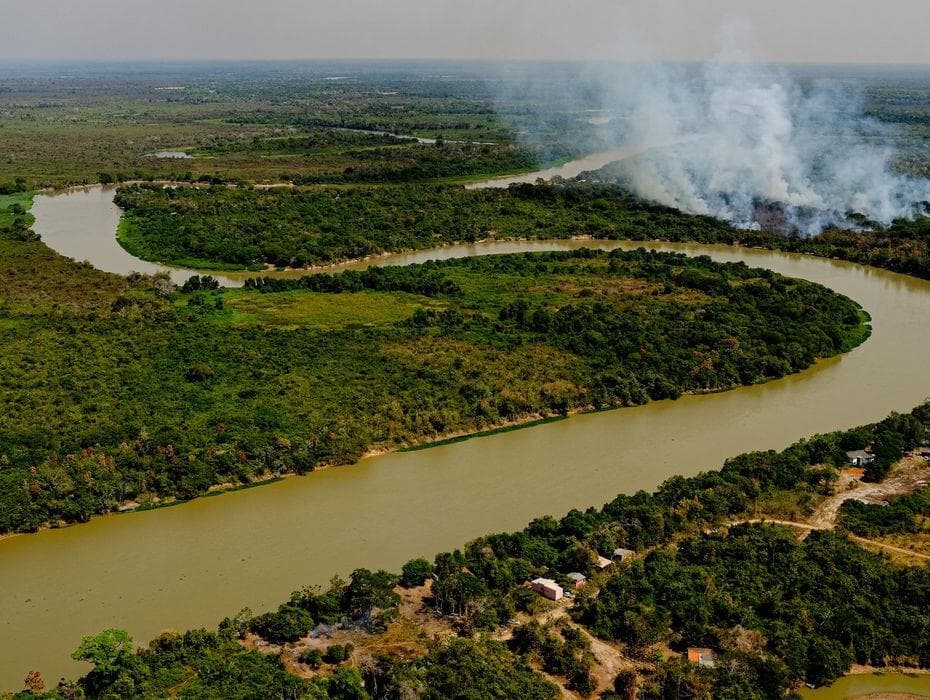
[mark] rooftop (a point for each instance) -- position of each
(701, 656)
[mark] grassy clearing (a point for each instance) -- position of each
(23, 199)
(320, 311)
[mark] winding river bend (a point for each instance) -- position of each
(192, 564)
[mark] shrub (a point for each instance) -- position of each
(288, 624)
(199, 372)
(415, 572)
(311, 657)
(337, 653)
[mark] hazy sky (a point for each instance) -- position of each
(783, 30)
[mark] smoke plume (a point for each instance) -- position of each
(751, 145)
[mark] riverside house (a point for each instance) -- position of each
(548, 588)
(860, 458)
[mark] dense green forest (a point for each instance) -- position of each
(310, 226)
(765, 581)
(776, 610)
(121, 389)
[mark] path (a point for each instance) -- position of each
(909, 475)
(811, 528)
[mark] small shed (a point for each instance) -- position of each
(578, 580)
(621, 554)
(548, 588)
(860, 458)
(702, 657)
(603, 562)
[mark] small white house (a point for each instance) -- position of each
(621, 554)
(860, 458)
(548, 588)
(603, 562)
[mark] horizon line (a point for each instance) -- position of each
(628, 61)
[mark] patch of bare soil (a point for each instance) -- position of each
(406, 637)
(609, 660)
(909, 475)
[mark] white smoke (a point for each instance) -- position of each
(735, 138)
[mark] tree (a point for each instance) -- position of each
(626, 684)
(415, 572)
(889, 448)
(311, 657)
(367, 591)
(104, 650)
(237, 626)
(346, 684)
(463, 666)
(288, 624)
(337, 653)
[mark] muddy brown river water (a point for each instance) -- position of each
(192, 564)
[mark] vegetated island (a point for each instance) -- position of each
(695, 598)
(124, 391)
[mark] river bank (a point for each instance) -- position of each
(384, 510)
(866, 683)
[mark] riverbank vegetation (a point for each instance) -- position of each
(175, 392)
(15, 218)
(774, 610)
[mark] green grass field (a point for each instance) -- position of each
(320, 311)
(24, 199)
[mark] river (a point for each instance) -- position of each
(880, 686)
(194, 563)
